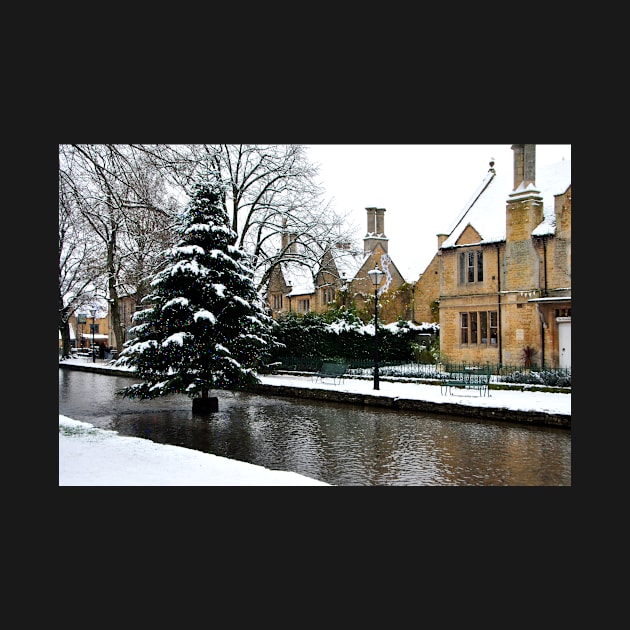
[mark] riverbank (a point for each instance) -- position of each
(89, 456)
(506, 404)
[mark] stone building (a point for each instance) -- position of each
(502, 275)
(89, 325)
(341, 278)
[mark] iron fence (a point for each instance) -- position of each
(500, 373)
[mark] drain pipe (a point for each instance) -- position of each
(544, 241)
(542, 336)
(544, 294)
(499, 305)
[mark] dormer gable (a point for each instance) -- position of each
(469, 236)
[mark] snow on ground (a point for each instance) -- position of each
(546, 402)
(89, 456)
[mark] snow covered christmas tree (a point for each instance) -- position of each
(204, 326)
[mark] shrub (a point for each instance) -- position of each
(343, 335)
(544, 377)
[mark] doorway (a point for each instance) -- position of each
(564, 342)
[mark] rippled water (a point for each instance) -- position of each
(340, 444)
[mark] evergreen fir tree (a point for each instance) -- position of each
(205, 325)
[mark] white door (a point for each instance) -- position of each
(564, 341)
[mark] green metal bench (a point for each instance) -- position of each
(466, 378)
(335, 371)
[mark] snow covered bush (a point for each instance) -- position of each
(553, 378)
(343, 335)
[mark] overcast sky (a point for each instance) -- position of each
(422, 187)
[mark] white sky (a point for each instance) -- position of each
(93, 457)
(422, 187)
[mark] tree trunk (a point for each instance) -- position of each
(113, 304)
(205, 405)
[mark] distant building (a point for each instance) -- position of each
(84, 328)
(82, 324)
(341, 277)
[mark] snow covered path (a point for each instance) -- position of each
(545, 402)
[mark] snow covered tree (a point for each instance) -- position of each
(205, 325)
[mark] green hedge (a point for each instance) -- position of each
(344, 336)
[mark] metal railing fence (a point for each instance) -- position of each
(500, 373)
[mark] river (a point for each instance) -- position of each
(341, 444)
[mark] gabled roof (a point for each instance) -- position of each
(348, 262)
(298, 277)
(485, 211)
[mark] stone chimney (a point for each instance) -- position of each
(289, 243)
(524, 212)
(289, 240)
(524, 164)
(375, 230)
(380, 221)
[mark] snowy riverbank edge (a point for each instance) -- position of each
(526, 407)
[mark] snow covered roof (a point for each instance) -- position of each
(98, 303)
(348, 262)
(485, 211)
(299, 277)
(95, 335)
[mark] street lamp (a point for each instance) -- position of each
(345, 287)
(93, 314)
(375, 276)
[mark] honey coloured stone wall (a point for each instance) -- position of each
(425, 293)
(521, 263)
(451, 346)
(558, 254)
(521, 328)
(450, 284)
(393, 302)
(276, 292)
(473, 297)
(563, 215)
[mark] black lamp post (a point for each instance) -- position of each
(375, 276)
(345, 287)
(93, 313)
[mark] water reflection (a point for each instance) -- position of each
(339, 444)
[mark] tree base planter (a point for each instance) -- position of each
(205, 405)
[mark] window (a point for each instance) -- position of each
(277, 301)
(328, 295)
(479, 265)
(471, 266)
(473, 328)
(479, 328)
(304, 306)
(494, 328)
